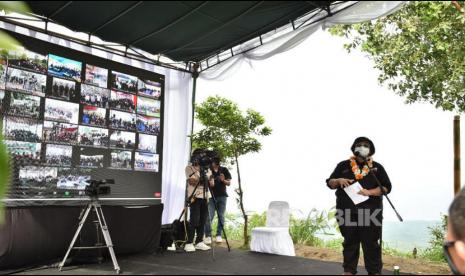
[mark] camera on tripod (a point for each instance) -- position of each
(98, 188)
(203, 157)
(95, 189)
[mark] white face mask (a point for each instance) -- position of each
(364, 151)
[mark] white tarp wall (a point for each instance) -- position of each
(176, 143)
(177, 118)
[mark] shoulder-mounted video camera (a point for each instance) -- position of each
(203, 158)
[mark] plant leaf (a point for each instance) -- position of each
(15, 6)
(7, 42)
(4, 175)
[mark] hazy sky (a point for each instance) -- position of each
(317, 98)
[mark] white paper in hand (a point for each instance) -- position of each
(353, 190)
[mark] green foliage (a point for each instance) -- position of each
(435, 250)
(232, 227)
(4, 175)
(304, 231)
(232, 133)
(234, 224)
(227, 129)
(389, 251)
(335, 244)
(7, 43)
(257, 220)
(418, 50)
(307, 231)
(14, 6)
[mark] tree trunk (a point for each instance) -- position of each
(241, 204)
(457, 167)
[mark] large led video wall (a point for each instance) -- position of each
(67, 120)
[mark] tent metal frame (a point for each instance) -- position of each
(131, 51)
(254, 35)
(106, 47)
(308, 21)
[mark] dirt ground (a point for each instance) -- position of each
(410, 266)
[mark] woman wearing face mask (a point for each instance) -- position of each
(361, 223)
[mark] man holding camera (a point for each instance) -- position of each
(222, 178)
(454, 247)
(198, 196)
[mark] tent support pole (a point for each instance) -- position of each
(457, 167)
(195, 75)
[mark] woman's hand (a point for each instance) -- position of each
(365, 192)
(372, 192)
(192, 181)
(340, 183)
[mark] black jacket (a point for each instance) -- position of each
(344, 170)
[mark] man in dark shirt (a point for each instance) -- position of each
(222, 178)
(361, 223)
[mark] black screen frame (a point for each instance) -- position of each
(138, 195)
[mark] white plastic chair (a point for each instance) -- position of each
(275, 237)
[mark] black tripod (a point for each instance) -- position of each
(206, 187)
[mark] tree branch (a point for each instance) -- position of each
(458, 7)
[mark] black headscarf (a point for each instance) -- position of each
(364, 139)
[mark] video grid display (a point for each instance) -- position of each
(64, 120)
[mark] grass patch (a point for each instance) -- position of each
(306, 232)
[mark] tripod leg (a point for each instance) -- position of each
(209, 221)
(220, 223)
(106, 236)
(224, 230)
(81, 224)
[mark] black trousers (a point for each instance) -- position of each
(198, 219)
(370, 239)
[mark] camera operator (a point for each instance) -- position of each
(222, 178)
(198, 200)
(454, 247)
